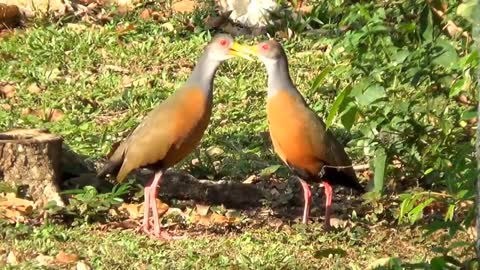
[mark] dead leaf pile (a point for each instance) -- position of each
(136, 210)
(62, 259)
(7, 90)
(150, 14)
(50, 115)
(66, 258)
(14, 209)
(202, 216)
(184, 6)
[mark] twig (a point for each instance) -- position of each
(450, 26)
(361, 167)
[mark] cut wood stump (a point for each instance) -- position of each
(30, 160)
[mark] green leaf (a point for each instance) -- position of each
(470, 10)
(371, 94)
(400, 56)
(438, 263)
(447, 55)
(467, 115)
(456, 88)
(379, 169)
(450, 212)
(426, 24)
(348, 116)
(269, 170)
(320, 77)
(336, 104)
(417, 211)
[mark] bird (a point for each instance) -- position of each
(299, 136)
(172, 130)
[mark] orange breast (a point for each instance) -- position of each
(190, 120)
(289, 130)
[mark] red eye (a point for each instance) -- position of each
(223, 42)
(265, 47)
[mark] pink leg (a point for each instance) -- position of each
(153, 201)
(307, 196)
(146, 208)
(328, 203)
(150, 193)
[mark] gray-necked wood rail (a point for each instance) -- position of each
(299, 135)
(171, 130)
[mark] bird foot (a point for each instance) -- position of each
(149, 230)
(161, 235)
(158, 235)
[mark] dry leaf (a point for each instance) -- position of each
(337, 223)
(17, 203)
(45, 260)
(463, 99)
(122, 29)
(215, 151)
(212, 219)
(305, 9)
(176, 212)
(55, 115)
(13, 208)
(168, 26)
(34, 88)
(6, 107)
(161, 207)
(184, 6)
(202, 209)
(66, 258)
(7, 90)
(157, 16)
(83, 266)
(251, 179)
(146, 14)
(51, 115)
(12, 258)
(133, 210)
(127, 81)
(220, 219)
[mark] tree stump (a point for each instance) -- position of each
(30, 160)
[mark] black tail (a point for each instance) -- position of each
(337, 177)
(112, 168)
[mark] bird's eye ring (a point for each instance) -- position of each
(265, 47)
(223, 42)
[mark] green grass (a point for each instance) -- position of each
(105, 80)
(294, 247)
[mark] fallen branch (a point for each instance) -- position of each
(229, 193)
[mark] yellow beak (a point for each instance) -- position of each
(242, 51)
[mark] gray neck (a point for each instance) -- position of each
(203, 73)
(279, 76)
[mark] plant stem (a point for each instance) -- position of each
(476, 37)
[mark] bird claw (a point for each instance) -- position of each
(156, 234)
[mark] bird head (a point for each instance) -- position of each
(223, 47)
